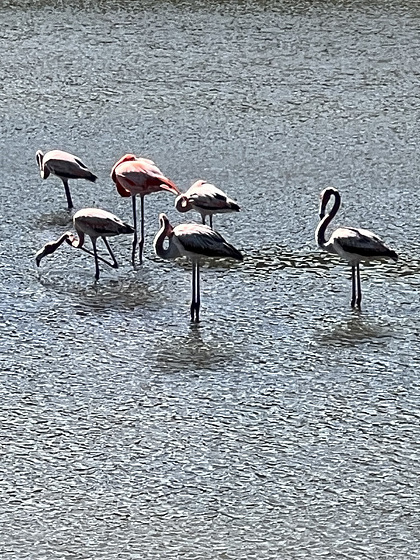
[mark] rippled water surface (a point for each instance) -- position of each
(284, 426)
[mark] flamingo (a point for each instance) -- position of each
(352, 244)
(95, 223)
(206, 199)
(139, 176)
(63, 165)
(193, 241)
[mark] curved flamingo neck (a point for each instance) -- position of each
(126, 157)
(51, 247)
(327, 219)
(76, 241)
(182, 204)
(165, 231)
(40, 161)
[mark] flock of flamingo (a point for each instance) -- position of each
(135, 176)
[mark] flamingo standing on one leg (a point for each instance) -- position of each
(206, 199)
(94, 223)
(63, 165)
(193, 241)
(352, 244)
(139, 176)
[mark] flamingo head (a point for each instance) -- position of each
(182, 203)
(165, 224)
(49, 248)
(43, 170)
(121, 190)
(198, 184)
(325, 196)
(127, 157)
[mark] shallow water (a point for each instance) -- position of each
(285, 425)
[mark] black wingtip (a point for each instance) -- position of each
(237, 255)
(126, 228)
(393, 256)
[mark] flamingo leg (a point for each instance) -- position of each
(197, 292)
(90, 253)
(353, 286)
(95, 254)
(359, 287)
(68, 195)
(110, 251)
(193, 291)
(133, 252)
(203, 219)
(141, 242)
(211, 221)
(195, 300)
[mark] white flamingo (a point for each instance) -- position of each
(352, 244)
(192, 241)
(206, 199)
(94, 223)
(63, 165)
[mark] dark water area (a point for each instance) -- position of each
(284, 425)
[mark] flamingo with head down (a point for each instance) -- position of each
(139, 176)
(63, 165)
(94, 223)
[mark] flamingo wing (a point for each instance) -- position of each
(97, 222)
(209, 197)
(197, 239)
(140, 176)
(362, 242)
(64, 164)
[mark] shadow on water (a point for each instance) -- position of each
(62, 218)
(354, 330)
(192, 352)
(276, 257)
(104, 295)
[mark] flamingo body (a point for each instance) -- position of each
(207, 199)
(355, 245)
(195, 240)
(65, 166)
(139, 176)
(94, 223)
(192, 241)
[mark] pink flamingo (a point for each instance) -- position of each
(352, 244)
(206, 199)
(193, 241)
(139, 176)
(95, 223)
(63, 165)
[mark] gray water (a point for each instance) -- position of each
(283, 426)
